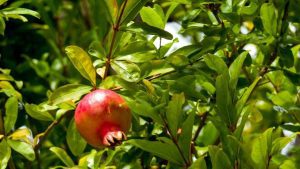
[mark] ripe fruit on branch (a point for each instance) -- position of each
(102, 118)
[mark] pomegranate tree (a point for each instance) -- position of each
(102, 118)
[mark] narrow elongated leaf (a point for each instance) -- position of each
(3, 1)
(174, 112)
(38, 112)
(235, 69)
(112, 9)
(11, 113)
(82, 62)
(240, 104)
(20, 11)
(268, 14)
(186, 136)
(132, 9)
(68, 92)
(63, 156)
(5, 154)
(151, 30)
(6, 77)
(223, 99)
(162, 150)
(151, 17)
(23, 148)
(75, 142)
(2, 26)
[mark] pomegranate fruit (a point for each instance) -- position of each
(102, 118)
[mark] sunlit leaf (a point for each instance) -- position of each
(63, 156)
(23, 148)
(11, 111)
(5, 154)
(38, 112)
(68, 92)
(151, 17)
(163, 150)
(82, 62)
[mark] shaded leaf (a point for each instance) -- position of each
(185, 137)
(132, 9)
(235, 69)
(75, 142)
(174, 112)
(151, 30)
(268, 15)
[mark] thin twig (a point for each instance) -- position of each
(48, 130)
(116, 28)
(201, 125)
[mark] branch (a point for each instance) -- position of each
(201, 125)
(48, 130)
(116, 29)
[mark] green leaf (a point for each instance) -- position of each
(268, 14)
(199, 164)
(112, 10)
(279, 143)
(143, 108)
(286, 58)
(82, 62)
(133, 7)
(235, 69)
(3, 1)
(5, 154)
(22, 134)
(151, 17)
(23, 148)
(2, 26)
(68, 92)
(174, 112)
(261, 148)
(75, 142)
(248, 9)
(185, 137)
(63, 156)
(11, 112)
(243, 100)
(127, 70)
(215, 63)
(37, 112)
(219, 159)
(20, 11)
(148, 29)
(162, 150)
(223, 99)
(137, 47)
(6, 77)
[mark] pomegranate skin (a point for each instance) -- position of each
(102, 117)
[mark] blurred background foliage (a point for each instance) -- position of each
(193, 47)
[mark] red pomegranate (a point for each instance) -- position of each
(102, 118)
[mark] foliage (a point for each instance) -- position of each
(224, 100)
